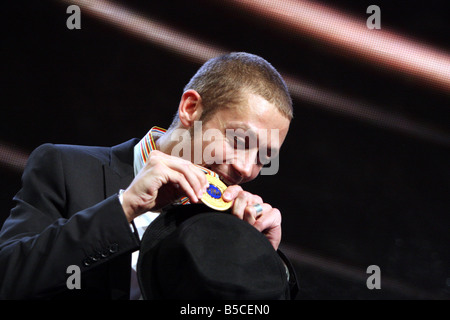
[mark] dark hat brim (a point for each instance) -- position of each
(164, 225)
(174, 263)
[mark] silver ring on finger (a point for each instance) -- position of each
(258, 207)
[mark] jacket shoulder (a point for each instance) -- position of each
(78, 152)
(50, 153)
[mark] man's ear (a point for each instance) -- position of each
(190, 108)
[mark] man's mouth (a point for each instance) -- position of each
(227, 180)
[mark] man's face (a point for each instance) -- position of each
(237, 141)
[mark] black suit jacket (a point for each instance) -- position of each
(68, 213)
(69, 204)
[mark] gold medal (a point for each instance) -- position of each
(213, 196)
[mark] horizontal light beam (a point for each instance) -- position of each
(199, 52)
(12, 157)
(303, 258)
(148, 29)
(379, 47)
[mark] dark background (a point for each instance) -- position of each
(352, 193)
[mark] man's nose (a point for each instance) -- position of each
(245, 165)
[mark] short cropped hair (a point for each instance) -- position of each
(225, 80)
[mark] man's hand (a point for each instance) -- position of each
(163, 180)
(268, 221)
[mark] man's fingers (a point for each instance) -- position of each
(269, 223)
(167, 177)
(262, 216)
(180, 180)
(231, 193)
(241, 203)
(193, 175)
(180, 171)
(254, 211)
(269, 219)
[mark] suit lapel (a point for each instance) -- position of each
(119, 173)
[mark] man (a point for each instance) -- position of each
(88, 206)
